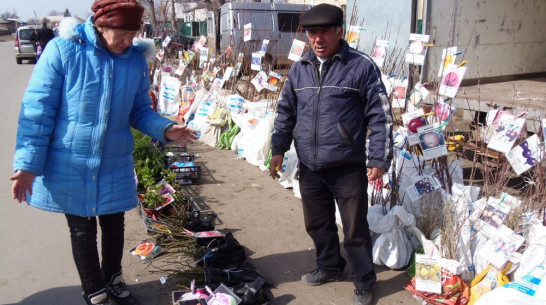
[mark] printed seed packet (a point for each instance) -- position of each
(428, 273)
(256, 62)
(448, 59)
(501, 248)
(432, 142)
(506, 133)
(379, 53)
(399, 93)
(526, 154)
(417, 50)
(492, 216)
(423, 184)
(296, 51)
(188, 56)
(146, 250)
(247, 32)
(452, 80)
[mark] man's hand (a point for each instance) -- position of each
(22, 183)
(375, 173)
(180, 134)
(275, 165)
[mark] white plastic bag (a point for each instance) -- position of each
(289, 167)
(254, 143)
(169, 96)
(535, 253)
(392, 248)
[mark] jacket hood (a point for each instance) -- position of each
(71, 29)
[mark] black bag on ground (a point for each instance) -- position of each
(251, 293)
(228, 254)
(246, 273)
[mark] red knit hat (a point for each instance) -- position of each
(118, 14)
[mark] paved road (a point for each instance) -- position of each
(36, 265)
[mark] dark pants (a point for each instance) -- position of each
(348, 186)
(83, 235)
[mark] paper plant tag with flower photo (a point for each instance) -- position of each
(296, 50)
(263, 49)
(379, 52)
(492, 214)
(418, 95)
(146, 250)
(417, 50)
(452, 80)
(259, 81)
(399, 93)
(428, 273)
(506, 133)
(526, 154)
(499, 249)
(443, 111)
(166, 41)
(181, 67)
(422, 184)
(353, 34)
(448, 58)
(256, 62)
(432, 142)
(247, 32)
(413, 120)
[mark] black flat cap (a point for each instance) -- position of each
(322, 16)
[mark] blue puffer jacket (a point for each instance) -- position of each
(330, 114)
(74, 126)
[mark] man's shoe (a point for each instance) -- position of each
(98, 298)
(362, 297)
(118, 291)
(319, 277)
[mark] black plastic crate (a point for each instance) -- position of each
(187, 175)
(179, 157)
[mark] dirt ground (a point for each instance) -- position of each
(267, 220)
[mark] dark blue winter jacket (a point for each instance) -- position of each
(330, 114)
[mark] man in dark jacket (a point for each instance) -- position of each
(332, 102)
(45, 34)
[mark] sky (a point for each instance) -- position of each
(26, 8)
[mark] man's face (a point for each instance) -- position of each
(324, 42)
(116, 41)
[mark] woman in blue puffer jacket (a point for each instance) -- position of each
(74, 143)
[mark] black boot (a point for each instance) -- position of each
(118, 291)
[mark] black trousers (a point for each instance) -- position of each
(83, 235)
(348, 186)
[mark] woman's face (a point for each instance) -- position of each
(116, 41)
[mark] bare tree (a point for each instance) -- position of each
(151, 11)
(173, 17)
(54, 13)
(6, 15)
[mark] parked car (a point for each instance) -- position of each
(24, 48)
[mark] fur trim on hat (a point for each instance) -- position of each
(146, 46)
(67, 29)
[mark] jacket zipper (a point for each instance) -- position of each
(319, 72)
